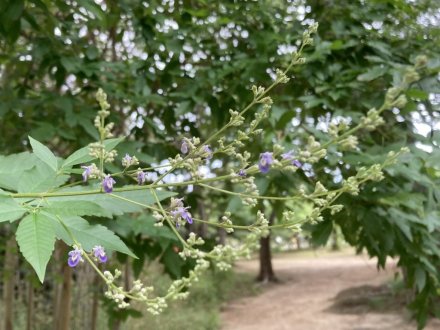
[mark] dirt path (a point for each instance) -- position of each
(306, 297)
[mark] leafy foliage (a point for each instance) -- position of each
(36, 238)
(55, 56)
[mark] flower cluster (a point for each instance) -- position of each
(128, 161)
(242, 169)
(179, 211)
(90, 171)
(107, 183)
(76, 255)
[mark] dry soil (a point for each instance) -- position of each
(319, 291)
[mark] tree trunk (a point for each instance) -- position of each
(30, 307)
(266, 273)
(95, 302)
(63, 303)
(335, 240)
(221, 232)
(9, 282)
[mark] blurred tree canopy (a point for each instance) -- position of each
(175, 68)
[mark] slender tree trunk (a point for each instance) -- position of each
(266, 273)
(335, 239)
(95, 303)
(9, 282)
(30, 307)
(57, 284)
(221, 232)
(298, 241)
(63, 303)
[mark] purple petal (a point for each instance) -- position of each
(87, 172)
(266, 159)
(184, 147)
(73, 262)
(141, 178)
(296, 163)
(108, 183)
(208, 151)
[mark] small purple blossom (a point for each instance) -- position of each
(289, 156)
(107, 183)
(141, 177)
(127, 158)
(99, 253)
(266, 159)
(87, 172)
(296, 163)
(242, 173)
(208, 151)
(184, 147)
(180, 211)
(75, 256)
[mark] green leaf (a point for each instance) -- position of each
(10, 210)
(373, 73)
(143, 224)
(420, 278)
(173, 263)
(417, 94)
(40, 178)
(89, 235)
(13, 166)
(82, 155)
(44, 153)
(114, 205)
(36, 239)
(70, 208)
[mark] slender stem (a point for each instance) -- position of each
(170, 223)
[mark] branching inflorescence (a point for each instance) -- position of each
(194, 152)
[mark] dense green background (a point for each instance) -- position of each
(173, 70)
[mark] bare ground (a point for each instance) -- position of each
(339, 291)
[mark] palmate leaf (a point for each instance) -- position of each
(10, 210)
(36, 239)
(88, 235)
(82, 156)
(44, 153)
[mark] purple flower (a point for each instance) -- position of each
(296, 163)
(99, 253)
(184, 147)
(141, 177)
(242, 173)
(107, 183)
(208, 152)
(87, 172)
(181, 212)
(75, 256)
(128, 160)
(266, 159)
(289, 156)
